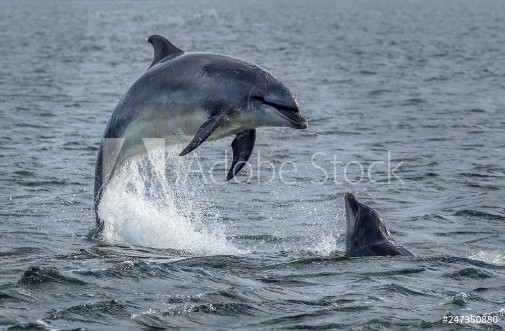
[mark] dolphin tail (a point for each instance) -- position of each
(242, 145)
(204, 132)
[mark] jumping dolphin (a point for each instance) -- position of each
(192, 97)
(367, 234)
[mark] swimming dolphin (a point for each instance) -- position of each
(367, 234)
(192, 97)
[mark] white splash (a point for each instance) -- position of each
(493, 257)
(325, 245)
(144, 206)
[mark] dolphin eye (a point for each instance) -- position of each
(275, 104)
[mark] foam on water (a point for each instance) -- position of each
(325, 245)
(493, 257)
(151, 201)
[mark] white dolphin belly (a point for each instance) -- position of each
(177, 126)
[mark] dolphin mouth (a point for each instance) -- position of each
(351, 205)
(288, 110)
(294, 117)
(351, 201)
(350, 213)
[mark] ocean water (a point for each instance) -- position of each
(406, 108)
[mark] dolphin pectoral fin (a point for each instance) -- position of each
(242, 145)
(204, 132)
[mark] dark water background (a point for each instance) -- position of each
(415, 81)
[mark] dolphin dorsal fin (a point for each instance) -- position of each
(162, 48)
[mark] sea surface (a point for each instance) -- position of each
(406, 108)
